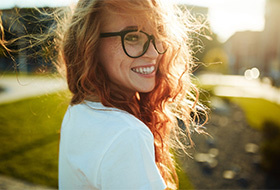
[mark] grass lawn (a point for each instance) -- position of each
(29, 137)
(259, 111)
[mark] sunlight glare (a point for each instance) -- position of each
(228, 16)
(251, 74)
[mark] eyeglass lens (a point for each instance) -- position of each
(136, 43)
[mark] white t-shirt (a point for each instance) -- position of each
(106, 148)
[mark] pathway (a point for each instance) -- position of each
(7, 183)
(16, 88)
(239, 86)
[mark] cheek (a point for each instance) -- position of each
(109, 53)
(113, 60)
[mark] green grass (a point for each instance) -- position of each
(29, 137)
(259, 111)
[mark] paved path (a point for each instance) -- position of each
(239, 86)
(16, 88)
(7, 183)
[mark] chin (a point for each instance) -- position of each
(146, 90)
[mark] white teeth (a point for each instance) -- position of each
(144, 70)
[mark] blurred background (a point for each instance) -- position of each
(238, 74)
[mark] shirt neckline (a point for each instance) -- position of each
(100, 106)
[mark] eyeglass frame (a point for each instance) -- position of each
(122, 35)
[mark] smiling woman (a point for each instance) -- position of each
(128, 65)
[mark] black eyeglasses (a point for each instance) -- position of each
(135, 43)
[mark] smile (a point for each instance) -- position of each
(144, 70)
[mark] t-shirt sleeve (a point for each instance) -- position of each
(129, 163)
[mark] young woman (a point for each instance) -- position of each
(128, 67)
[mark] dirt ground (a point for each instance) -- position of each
(231, 157)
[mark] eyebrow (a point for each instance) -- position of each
(129, 28)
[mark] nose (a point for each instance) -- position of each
(151, 51)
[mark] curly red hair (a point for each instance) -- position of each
(167, 102)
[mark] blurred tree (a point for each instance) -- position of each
(209, 54)
(204, 41)
(216, 60)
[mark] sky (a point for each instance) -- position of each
(229, 16)
(225, 16)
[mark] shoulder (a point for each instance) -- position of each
(90, 126)
(96, 116)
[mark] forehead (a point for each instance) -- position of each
(114, 22)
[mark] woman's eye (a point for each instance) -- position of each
(132, 38)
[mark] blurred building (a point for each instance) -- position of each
(258, 49)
